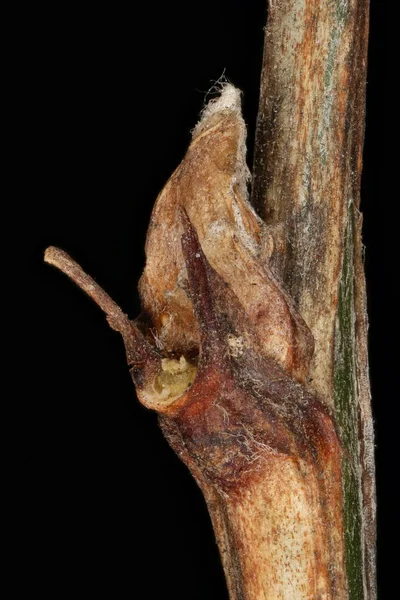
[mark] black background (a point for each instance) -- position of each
(109, 97)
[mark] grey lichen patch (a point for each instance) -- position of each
(341, 10)
(347, 415)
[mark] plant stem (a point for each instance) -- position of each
(306, 185)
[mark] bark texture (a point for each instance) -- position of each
(306, 185)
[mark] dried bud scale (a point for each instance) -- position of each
(227, 375)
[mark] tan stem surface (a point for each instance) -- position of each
(309, 151)
(306, 184)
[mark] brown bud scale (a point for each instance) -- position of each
(227, 375)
